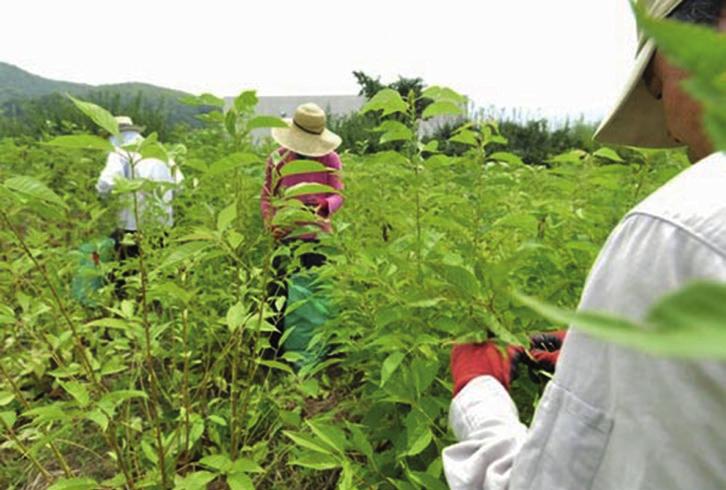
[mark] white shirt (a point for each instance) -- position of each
(614, 418)
(118, 166)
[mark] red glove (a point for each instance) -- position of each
(471, 360)
(545, 350)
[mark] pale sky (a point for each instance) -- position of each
(553, 56)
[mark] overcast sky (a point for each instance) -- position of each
(556, 56)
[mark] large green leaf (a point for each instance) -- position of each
(240, 481)
(442, 108)
(259, 122)
(394, 131)
(303, 167)
(100, 116)
(388, 101)
(390, 365)
(30, 187)
(78, 391)
(82, 142)
(305, 188)
(83, 483)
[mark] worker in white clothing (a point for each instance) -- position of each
(615, 418)
(125, 163)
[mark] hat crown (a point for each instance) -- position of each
(310, 118)
(124, 121)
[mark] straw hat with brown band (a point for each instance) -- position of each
(638, 118)
(307, 134)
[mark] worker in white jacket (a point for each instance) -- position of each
(614, 418)
(123, 163)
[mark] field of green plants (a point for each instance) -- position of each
(171, 387)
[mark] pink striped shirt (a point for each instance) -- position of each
(274, 185)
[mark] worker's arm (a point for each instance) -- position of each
(335, 201)
(113, 170)
(486, 424)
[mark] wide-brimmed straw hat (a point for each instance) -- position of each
(307, 134)
(125, 123)
(639, 118)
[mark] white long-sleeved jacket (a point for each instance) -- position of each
(118, 165)
(614, 418)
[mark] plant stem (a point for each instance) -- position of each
(153, 381)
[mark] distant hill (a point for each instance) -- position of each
(28, 101)
(16, 83)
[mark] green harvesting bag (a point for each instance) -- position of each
(308, 308)
(88, 276)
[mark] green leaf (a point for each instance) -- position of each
(194, 481)
(34, 189)
(74, 484)
(226, 216)
(240, 481)
(8, 418)
(418, 433)
(316, 461)
(246, 101)
(462, 279)
(259, 122)
(6, 398)
(608, 154)
(390, 365)
(205, 99)
(394, 131)
(437, 93)
(100, 116)
(82, 142)
(183, 252)
(442, 108)
(387, 100)
(305, 188)
(219, 462)
(307, 442)
(99, 418)
(78, 391)
(245, 465)
(296, 167)
(331, 435)
(235, 316)
(503, 156)
(687, 324)
(465, 137)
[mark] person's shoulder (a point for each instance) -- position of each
(332, 159)
(694, 201)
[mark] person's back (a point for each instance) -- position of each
(123, 163)
(640, 422)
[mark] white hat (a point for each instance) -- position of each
(639, 118)
(307, 134)
(125, 123)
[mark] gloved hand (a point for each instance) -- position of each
(545, 350)
(471, 360)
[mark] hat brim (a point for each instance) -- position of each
(302, 143)
(131, 127)
(638, 118)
